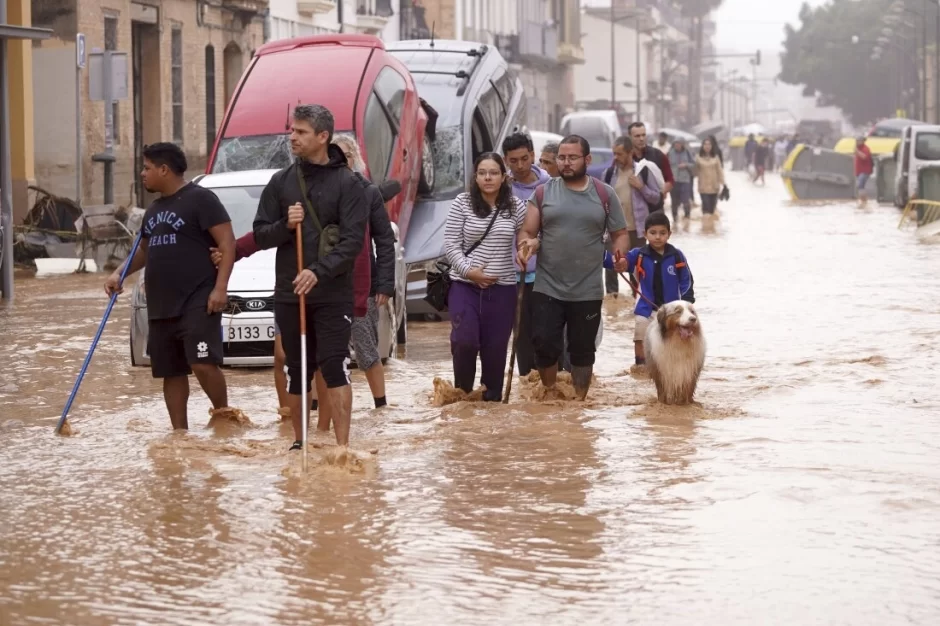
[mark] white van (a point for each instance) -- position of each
(600, 128)
(919, 147)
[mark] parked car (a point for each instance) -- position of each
(540, 138)
(248, 322)
(370, 93)
(479, 101)
(919, 148)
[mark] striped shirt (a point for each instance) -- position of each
(496, 253)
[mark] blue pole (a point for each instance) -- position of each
(94, 343)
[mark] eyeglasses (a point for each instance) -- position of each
(569, 158)
(489, 173)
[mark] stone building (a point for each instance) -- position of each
(184, 60)
(540, 39)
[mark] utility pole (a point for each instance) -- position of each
(613, 61)
(638, 86)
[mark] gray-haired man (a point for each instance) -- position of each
(318, 182)
(548, 160)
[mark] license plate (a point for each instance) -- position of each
(249, 332)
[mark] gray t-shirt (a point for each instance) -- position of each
(571, 256)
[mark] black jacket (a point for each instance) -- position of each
(338, 198)
(380, 230)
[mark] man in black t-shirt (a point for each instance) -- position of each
(186, 294)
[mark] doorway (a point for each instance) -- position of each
(145, 62)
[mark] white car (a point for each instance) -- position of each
(540, 138)
(248, 322)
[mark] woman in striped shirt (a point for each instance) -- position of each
(479, 241)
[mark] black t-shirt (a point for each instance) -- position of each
(179, 272)
(760, 155)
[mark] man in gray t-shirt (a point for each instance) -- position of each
(569, 286)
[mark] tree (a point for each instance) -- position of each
(830, 54)
(697, 10)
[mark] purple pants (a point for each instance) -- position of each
(481, 323)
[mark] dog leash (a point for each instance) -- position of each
(636, 292)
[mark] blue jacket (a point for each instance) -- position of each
(675, 277)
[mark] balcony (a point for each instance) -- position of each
(538, 44)
(570, 54)
(312, 7)
(372, 15)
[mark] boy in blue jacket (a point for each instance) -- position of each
(662, 272)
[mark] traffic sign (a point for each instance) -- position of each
(80, 51)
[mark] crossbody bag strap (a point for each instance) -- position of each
(605, 201)
(486, 232)
(307, 203)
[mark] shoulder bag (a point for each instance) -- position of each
(329, 236)
(439, 279)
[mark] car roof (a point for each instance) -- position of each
(439, 45)
(247, 178)
(320, 69)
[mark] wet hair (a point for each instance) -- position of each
(166, 153)
(577, 139)
(624, 142)
(551, 147)
(347, 143)
(663, 135)
(635, 125)
(318, 116)
(701, 150)
(516, 141)
(504, 198)
(716, 149)
(657, 218)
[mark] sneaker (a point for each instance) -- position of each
(298, 445)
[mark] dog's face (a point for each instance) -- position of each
(679, 317)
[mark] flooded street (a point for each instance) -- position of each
(804, 490)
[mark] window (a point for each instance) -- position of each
(176, 75)
(110, 43)
(492, 109)
(927, 147)
(380, 138)
(210, 97)
(391, 89)
(481, 136)
(505, 85)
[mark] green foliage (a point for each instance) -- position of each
(697, 8)
(822, 57)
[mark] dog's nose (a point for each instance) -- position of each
(693, 319)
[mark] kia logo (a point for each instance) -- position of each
(255, 305)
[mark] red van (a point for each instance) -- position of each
(371, 94)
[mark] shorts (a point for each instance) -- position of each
(861, 180)
(329, 327)
(640, 325)
(549, 318)
(177, 343)
(365, 337)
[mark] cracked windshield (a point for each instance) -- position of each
(426, 311)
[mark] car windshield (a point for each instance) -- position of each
(241, 203)
(927, 147)
(257, 152)
(441, 93)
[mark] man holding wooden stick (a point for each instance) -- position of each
(321, 195)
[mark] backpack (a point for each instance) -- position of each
(601, 193)
(609, 174)
(688, 296)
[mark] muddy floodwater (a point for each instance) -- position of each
(804, 490)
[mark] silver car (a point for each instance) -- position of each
(248, 322)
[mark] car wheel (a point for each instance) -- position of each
(426, 183)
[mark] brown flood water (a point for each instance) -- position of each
(804, 490)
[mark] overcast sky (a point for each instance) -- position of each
(747, 25)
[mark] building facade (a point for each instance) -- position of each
(540, 39)
(297, 18)
(183, 62)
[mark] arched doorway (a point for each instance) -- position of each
(233, 68)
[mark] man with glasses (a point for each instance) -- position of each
(573, 214)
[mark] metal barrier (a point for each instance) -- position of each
(927, 211)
